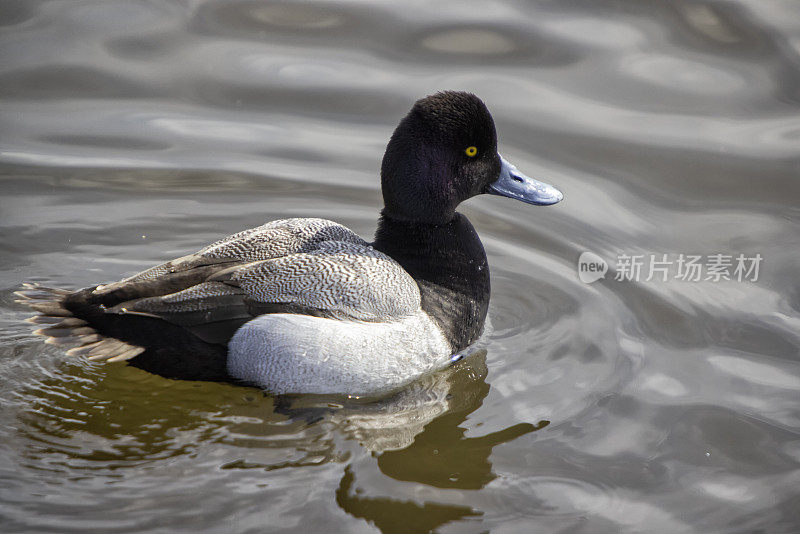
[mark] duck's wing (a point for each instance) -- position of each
(336, 279)
(205, 295)
(272, 240)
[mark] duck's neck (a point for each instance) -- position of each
(449, 264)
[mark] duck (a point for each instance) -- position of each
(305, 305)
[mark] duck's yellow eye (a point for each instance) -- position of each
(471, 151)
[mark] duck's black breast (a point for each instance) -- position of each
(449, 264)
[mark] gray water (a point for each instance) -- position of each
(132, 132)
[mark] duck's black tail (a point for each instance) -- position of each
(72, 320)
(62, 327)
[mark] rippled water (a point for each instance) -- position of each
(133, 132)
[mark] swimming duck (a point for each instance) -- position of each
(307, 306)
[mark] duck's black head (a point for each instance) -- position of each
(444, 152)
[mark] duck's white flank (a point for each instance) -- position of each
(289, 353)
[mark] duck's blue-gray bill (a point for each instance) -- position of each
(514, 184)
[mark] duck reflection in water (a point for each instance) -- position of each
(416, 429)
(419, 437)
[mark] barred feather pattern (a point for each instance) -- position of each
(350, 280)
(308, 262)
(153, 273)
(280, 238)
(271, 240)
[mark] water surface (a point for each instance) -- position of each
(133, 132)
